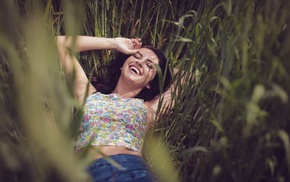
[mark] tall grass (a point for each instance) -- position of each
(230, 121)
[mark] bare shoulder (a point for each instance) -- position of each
(83, 88)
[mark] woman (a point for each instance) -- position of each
(117, 111)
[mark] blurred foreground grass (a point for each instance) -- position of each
(229, 123)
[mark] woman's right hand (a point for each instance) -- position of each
(127, 46)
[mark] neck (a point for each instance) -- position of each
(126, 92)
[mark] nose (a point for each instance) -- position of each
(139, 63)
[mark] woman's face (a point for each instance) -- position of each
(138, 70)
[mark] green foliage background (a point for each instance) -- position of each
(231, 117)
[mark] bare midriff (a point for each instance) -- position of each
(97, 152)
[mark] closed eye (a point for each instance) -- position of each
(137, 55)
(149, 65)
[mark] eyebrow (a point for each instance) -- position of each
(139, 53)
(147, 59)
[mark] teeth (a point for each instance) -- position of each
(135, 70)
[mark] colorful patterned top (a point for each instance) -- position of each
(113, 120)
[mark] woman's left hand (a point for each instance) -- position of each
(127, 46)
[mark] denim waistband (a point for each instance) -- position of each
(121, 167)
(121, 162)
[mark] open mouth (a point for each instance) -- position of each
(135, 70)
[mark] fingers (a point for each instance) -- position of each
(137, 44)
(138, 40)
(128, 46)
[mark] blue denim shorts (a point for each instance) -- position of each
(129, 168)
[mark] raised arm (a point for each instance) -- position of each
(166, 97)
(84, 43)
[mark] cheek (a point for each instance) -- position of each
(149, 75)
(152, 74)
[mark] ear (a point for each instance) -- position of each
(148, 86)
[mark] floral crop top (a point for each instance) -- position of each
(113, 120)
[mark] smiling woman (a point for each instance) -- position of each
(117, 111)
(135, 73)
(143, 64)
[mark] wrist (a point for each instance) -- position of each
(112, 43)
